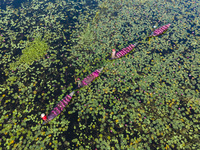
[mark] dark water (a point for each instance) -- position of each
(14, 3)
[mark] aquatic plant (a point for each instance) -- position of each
(148, 99)
(33, 51)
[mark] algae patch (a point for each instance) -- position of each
(34, 50)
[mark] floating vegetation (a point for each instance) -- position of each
(147, 99)
(33, 51)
